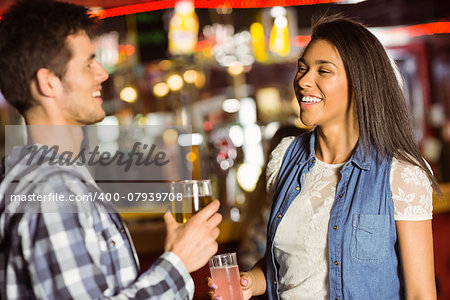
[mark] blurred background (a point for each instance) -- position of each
(225, 68)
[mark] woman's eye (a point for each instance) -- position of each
(323, 71)
(301, 69)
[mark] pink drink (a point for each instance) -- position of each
(227, 279)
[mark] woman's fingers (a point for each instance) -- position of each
(246, 281)
(212, 292)
(210, 283)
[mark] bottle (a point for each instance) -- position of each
(183, 29)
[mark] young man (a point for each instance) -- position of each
(48, 72)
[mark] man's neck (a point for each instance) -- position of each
(51, 130)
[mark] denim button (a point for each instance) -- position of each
(279, 216)
(297, 188)
(274, 282)
(122, 230)
(341, 195)
(336, 263)
(313, 160)
(335, 227)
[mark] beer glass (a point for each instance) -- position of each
(225, 274)
(195, 194)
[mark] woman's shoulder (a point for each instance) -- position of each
(276, 156)
(275, 161)
(411, 191)
(409, 171)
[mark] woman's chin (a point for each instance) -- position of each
(308, 122)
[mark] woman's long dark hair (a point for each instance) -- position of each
(382, 113)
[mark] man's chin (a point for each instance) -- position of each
(100, 116)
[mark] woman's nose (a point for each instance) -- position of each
(305, 80)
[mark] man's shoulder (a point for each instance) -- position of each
(43, 187)
(37, 162)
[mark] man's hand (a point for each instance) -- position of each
(195, 241)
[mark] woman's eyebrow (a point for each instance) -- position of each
(317, 62)
(301, 60)
(324, 62)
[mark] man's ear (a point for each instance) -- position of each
(46, 82)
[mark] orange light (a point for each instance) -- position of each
(202, 45)
(129, 50)
(101, 13)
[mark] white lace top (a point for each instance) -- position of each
(301, 239)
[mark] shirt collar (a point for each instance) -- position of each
(359, 158)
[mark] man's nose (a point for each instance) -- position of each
(101, 75)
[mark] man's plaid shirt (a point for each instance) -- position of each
(82, 254)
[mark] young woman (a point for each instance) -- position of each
(352, 205)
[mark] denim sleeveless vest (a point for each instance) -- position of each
(362, 237)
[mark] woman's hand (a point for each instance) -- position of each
(247, 280)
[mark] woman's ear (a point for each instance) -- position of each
(45, 83)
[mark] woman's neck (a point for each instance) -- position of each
(336, 144)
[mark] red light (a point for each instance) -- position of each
(256, 3)
(221, 156)
(422, 29)
(411, 31)
(302, 40)
(138, 8)
(207, 125)
(164, 4)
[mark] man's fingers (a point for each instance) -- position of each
(215, 233)
(208, 211)
(169, 220)
(215, 220)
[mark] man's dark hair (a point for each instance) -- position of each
(381, 109)
(32, 36)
